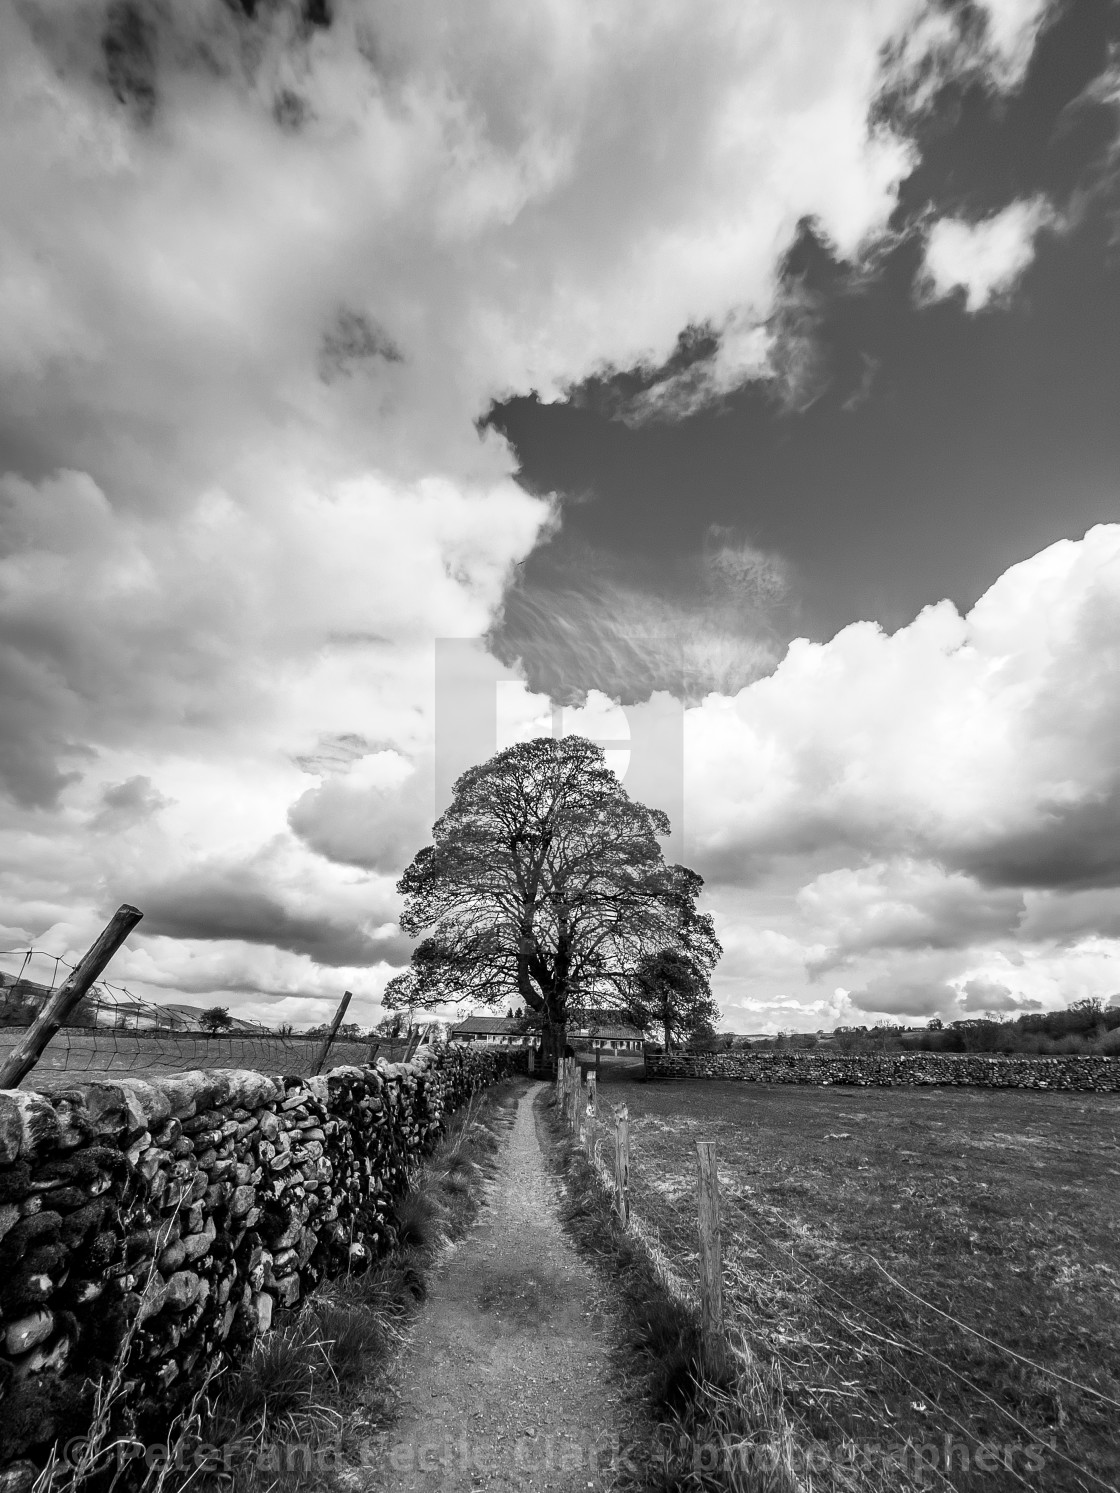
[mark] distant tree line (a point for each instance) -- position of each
(1086, 1026)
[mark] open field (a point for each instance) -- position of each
(999, 1208)
(85, 1054)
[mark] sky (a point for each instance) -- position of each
(736, 385)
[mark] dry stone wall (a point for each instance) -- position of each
(182, 1214)
(888, 1069)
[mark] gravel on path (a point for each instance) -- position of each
(506, 1382)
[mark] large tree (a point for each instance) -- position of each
(545, 884)
(671, 991)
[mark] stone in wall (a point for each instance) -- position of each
(181, 1215)
(1072, 1072)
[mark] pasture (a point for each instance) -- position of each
(999, 1209)
(99, 1054)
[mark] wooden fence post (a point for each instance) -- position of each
(711, 1274)
(592, 1116)
(622, 1165)
(27, 1053)
(329, 1038)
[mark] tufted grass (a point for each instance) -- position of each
(999, 1208)
(318, 1382)
(279, 1420)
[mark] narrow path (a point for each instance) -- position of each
(505, 1383)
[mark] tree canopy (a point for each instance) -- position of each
(672, 992)
(545, 885)
(215, 1019)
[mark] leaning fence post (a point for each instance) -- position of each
(321, 1057)
(27, 1053)
(711, 1280)
(622, 1165)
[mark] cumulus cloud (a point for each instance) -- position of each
(903, 904)
(259, 282)
(988, 996)
(376, 815)
(213, 901)
(932, 812)
(955, 739)
(128, 803)
(892, 996)
(985, 259)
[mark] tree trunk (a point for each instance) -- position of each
(553, 1041)
(668, 1043)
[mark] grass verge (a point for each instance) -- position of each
(720, 1415)
(932, 1269)
(295, 1412)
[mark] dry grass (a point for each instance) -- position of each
(721, 1418)
(317, 1383)
(995, 1208)
(313, 1384)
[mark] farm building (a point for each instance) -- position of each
(606, 1037)
(508, 1031)
(587, 1032)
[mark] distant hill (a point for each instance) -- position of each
(185, 1018)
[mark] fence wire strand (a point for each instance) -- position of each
(116, 1032)
(852, 1320)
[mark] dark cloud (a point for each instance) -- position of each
(126, 804)
(379, 829)
(894, 997)
(580, 620)
(216, 902)
(1070, 847)
(941, 915)
(129, 47)
(897, 454)
(354, 340)
(290, 111)
(990, 995)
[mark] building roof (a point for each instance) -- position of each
(616, 1031)
(496, 1026)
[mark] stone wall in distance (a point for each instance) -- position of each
(892, 1069)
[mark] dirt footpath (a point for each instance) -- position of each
(506, 1384)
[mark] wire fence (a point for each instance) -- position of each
(820, 1373)
(114, 1031)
